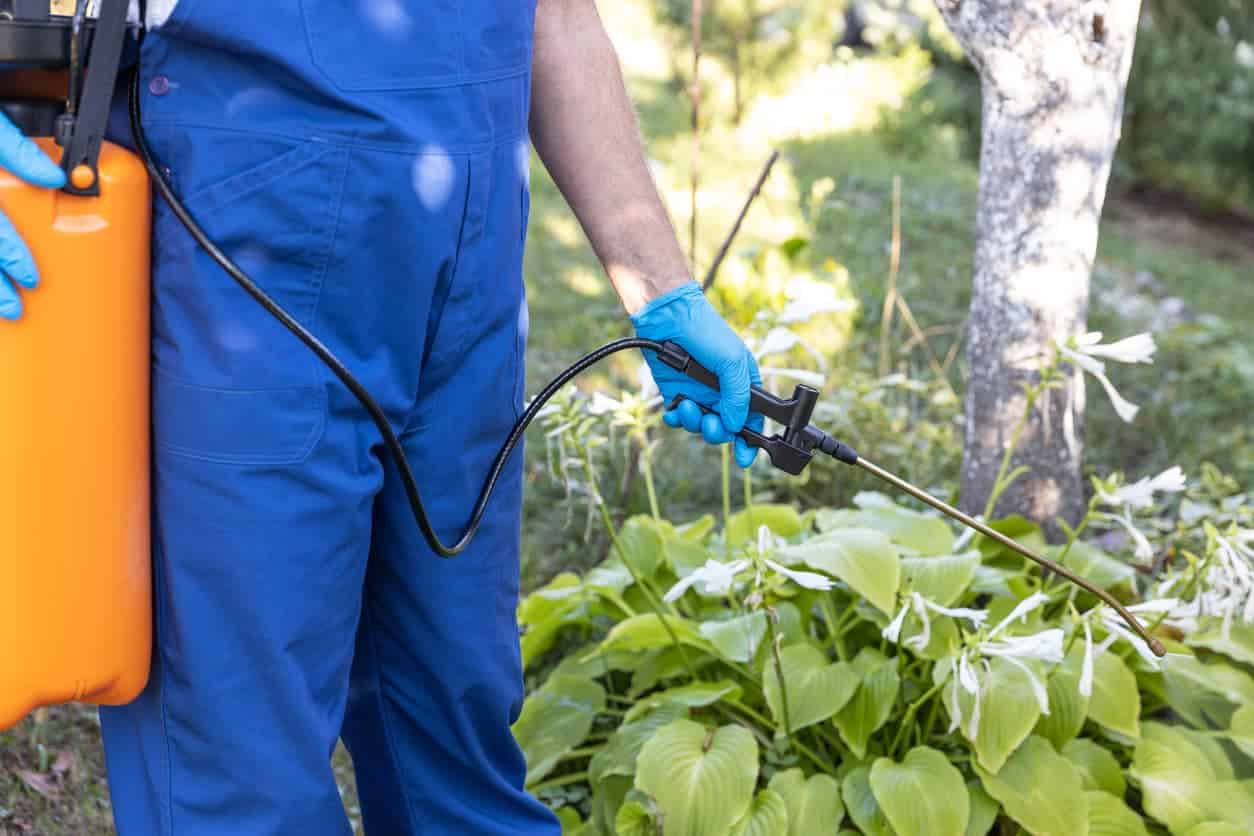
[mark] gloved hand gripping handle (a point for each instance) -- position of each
(791, 451)
(794, 449)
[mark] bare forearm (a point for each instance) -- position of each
(584, 129)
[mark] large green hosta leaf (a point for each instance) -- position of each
(736, 638)
(814, 805)
(1094, 565)
(940, 579)
(1040, 790)
(1109, 816)
(1180, 784)
(556, 719)
(984, 810)
(635, 817)
(1008, 712)
(1116, 702)
(1017, 528)
(1067, 706)
(621, 750)
(1206, 693)
(1236, 640)
(701, 779)
(684, 557)
(607, 799)
(872, 702)
(767, 816)
(640, 544)
(648, 632)
(568, 818)
(1098, 768)
(743, 526)
(1241, 731)
(924, 795)
(866, 560)
(692, 695)
(1215, 828)
(920, 533)
(816, 688)
(861, 804)
(545, 612)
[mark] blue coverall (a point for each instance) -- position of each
(367, 163)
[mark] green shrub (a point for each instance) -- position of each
(935, 687)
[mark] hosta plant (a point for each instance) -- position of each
(870, 670)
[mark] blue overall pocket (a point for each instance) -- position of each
(230, 384)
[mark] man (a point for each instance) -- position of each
(367, 164)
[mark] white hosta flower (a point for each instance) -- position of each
(967, 535)
(798, 375)
(1141, 547)
(1045, 646)
(714, 578)
(768, 541)
(1086, 666)
(921, 607)
(808, 298)
(776, 341)
(966, 678)
(1115, 627)
(809, 580)
(1021, 611)
(648, 386)
(1140, 494)
(1138, 349)
(603, 404)
(1244, 55)
(1038, 686)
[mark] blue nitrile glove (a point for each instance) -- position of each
(24, 159)
(685, 316)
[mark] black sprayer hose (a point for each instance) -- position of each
(390, 441)
(397, 453)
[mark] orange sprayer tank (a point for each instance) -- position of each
(74, 462)
(75, 591)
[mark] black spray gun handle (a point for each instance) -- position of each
(790, 451)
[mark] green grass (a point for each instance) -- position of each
(1197, 398)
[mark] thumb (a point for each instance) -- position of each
(733, 404)
(25, 159)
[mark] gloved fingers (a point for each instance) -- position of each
(713, 431)
(734, 380)
(671, 418)
(690, 415)
(26, 160)
(15, 258)
(745, 454)
(10, 302)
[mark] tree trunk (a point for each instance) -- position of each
(1053, 76)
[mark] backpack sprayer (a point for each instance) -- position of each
(101, 606)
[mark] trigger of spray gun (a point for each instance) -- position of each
(794, 448)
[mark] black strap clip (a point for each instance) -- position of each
(81, 129)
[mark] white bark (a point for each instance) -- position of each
(1053, 76)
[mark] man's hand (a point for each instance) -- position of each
(685, 316)
(24, 159)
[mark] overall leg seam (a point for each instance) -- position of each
(386, 725)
